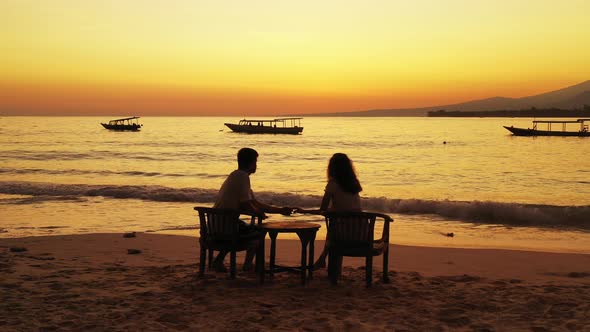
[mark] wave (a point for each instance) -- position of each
(145, 192)
(473, 211)
(101, 172)
(42, 227)
(488, 212)
(100, 154)
(41, 199)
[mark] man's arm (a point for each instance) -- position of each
(270, 208)
(250, 206)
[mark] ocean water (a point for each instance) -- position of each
(469, 176)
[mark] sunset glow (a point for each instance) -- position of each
(275, 57)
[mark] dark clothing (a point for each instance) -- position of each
(247, 230)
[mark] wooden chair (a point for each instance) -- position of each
(352, 234)
(219, 230)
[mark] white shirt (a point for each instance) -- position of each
(342, 200)
(234, 191)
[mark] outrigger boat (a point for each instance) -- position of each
(275, 126)
(130, 124)
(583, 132)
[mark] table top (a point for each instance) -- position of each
(289, 226)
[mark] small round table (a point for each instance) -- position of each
(306, 232)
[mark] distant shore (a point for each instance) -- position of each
(90, 282)
(530, 113)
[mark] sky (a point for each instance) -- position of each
(272, 57)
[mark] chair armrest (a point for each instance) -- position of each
(386, 229)
(253, 217)
(386, 221)
(252, 214)
(244, 212)
(384, 216)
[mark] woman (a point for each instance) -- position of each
(341, 193)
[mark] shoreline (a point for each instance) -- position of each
(434, 260)
(90, 282)
(191, 232)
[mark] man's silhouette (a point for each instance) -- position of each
(236, 193)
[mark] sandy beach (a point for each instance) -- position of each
(91, 283)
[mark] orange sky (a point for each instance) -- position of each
(264, 57)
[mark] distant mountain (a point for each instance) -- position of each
(573, 97)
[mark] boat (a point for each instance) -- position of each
(582, 132)
(274, 126)
(129, 124)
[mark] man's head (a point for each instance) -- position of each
(247, 158)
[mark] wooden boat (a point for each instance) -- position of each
(129, 124)
(582, 132)
(274, 126)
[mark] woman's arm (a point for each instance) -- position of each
(326, 201)
(323, 207)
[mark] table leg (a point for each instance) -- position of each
(304, 242)
(311, 253)
(260, 257)
(273, 250)
(303, 261)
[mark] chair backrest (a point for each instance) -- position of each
(219, 224)
(354, 229)
(222, 224)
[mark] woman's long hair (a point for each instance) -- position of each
(340, 169)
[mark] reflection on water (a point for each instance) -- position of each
(395, 157)
(481, 173)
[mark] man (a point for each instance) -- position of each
(236, 193)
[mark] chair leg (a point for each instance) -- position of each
(202, 262)
(386, 266)
(210, 258)
(369, 270)
(260, 258)
(232, 266)
(333, 268)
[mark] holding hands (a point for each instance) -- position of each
(308, 211)
(286, 211)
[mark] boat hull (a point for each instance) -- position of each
(264, 129)
(132, 127)
(533, 132)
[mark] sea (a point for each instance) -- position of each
(465, 177)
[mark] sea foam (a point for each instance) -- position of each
(504, 213)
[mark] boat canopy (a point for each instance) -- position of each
(131, 118)
(561, 121)
(583, 126)
(120, 121)
(285, 122)
(556, 121)
(271, 120)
